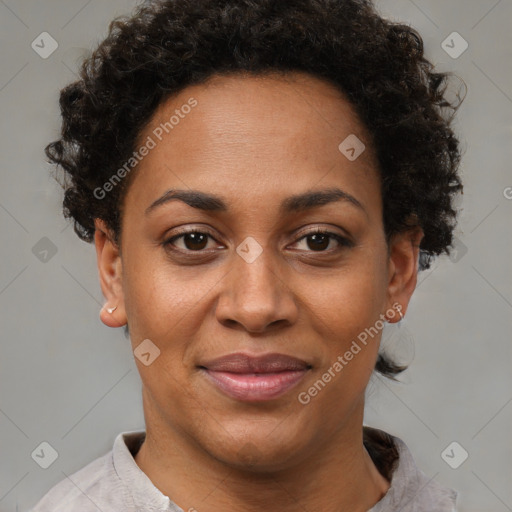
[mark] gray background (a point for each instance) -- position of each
(68, 380)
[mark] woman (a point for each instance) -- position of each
(260, 179)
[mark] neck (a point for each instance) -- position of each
(337, 475)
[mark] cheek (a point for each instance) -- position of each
(168, 306)
(158, 296)
(346, 314)
(348, 301)
(346, 310)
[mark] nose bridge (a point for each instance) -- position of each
(256, 271)
(254, 294)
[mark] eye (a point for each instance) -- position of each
(318, 240)
(194, 241)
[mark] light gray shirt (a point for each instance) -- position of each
(114, 483)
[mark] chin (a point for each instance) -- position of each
(256, 449)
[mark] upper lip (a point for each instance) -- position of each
(245, 363)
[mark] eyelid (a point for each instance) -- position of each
(343, 240)
(323, 231)
(186, 231)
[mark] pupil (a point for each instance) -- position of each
(195, 241)
(320, 245)
(194, 238)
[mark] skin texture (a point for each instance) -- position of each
(256, 141)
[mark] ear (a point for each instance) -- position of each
(404, 252)
(110, 274)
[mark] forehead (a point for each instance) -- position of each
(253, 136)
(289, 104)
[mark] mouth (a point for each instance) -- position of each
(255, 379)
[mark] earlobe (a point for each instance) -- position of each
(110, 273)
(403, 266)
(109, 319)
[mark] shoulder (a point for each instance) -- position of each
(422, 492)
(94, 487)
(411, 490)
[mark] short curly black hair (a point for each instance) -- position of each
(167, 45)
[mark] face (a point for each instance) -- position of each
(242, 270)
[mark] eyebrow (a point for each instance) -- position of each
(293, 204)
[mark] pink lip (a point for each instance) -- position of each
(255, 378)
(254, 387)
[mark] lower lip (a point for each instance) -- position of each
(251, 387)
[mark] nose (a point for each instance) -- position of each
(256, 296)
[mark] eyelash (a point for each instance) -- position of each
(343, 242)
